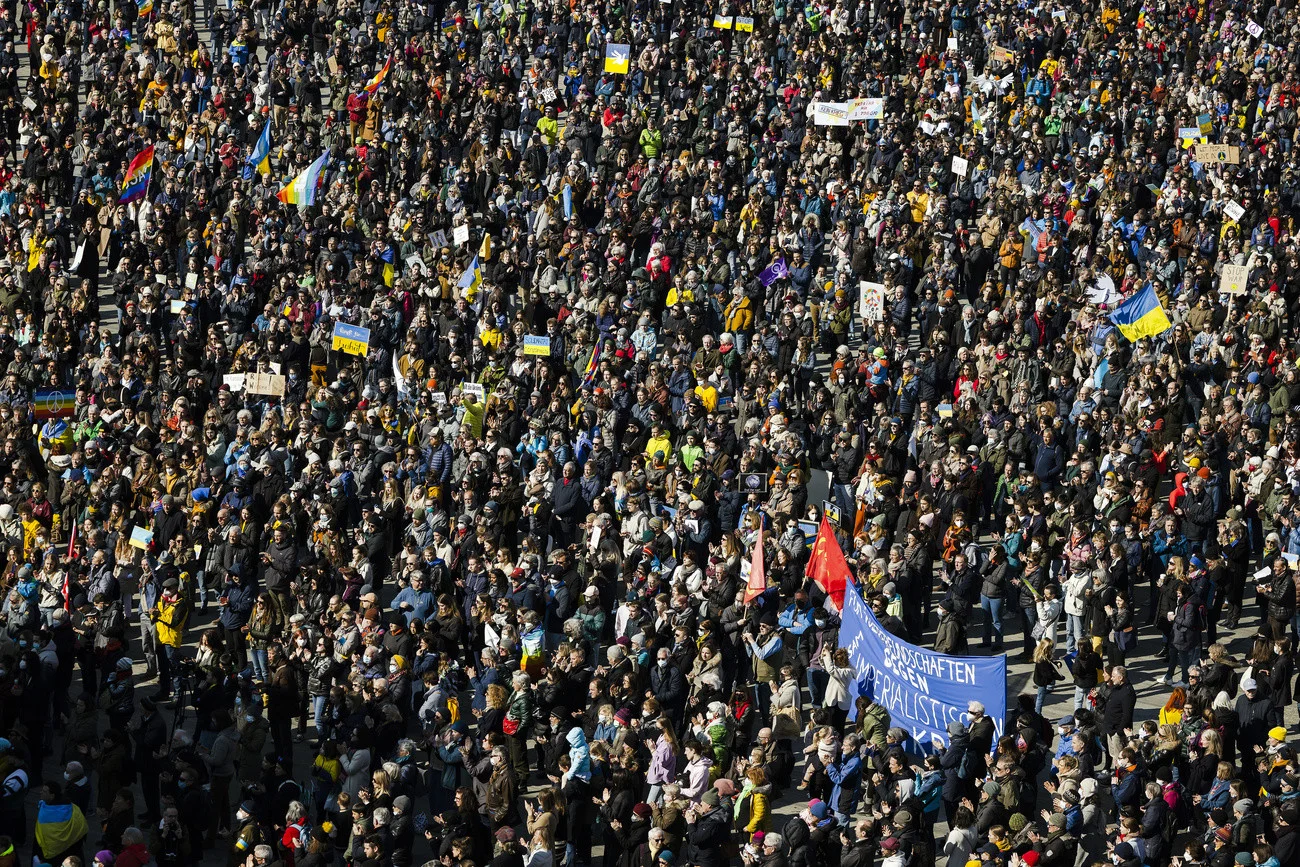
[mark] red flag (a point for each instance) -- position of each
(757, 583)
(827, 566)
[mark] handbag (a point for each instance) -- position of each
(510, 726)
(786, 722)
(1125, 639)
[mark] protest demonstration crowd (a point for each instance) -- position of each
(555, 434)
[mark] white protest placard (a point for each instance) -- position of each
(460, 234)
(191, 280)
(176, 306)
(952, 43)
(831, 113)
(871, 301)
(1232, 279)
(235, 381)
(960, 166)
(438, 239)
(474, 388)
(1254, 29)
(264, 383)
(869, 108)
(1233, 211)
(548, 94)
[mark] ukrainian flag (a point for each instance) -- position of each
(618, 58)
(470, 280)
(1141, 316)
(260, 161)
(387, 257)
(58, 826)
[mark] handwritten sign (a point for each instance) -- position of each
(868, 108)
(352, 339)
(960, 166)
(473, 388)
(1233, 211)
(534, 345)
(264, 383)
(1217, 153)
(460, 234)
(830, 113)
(1232, 279)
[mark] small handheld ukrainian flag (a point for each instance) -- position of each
(1141, 316)
(470, 280)
(618, 58)
(260, 161)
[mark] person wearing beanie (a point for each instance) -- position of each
(247, 834)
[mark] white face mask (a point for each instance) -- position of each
(302, 642)
(392, 669)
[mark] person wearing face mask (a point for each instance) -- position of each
(502, 810)
(253, 731)
(248, 834)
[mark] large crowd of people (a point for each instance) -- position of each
(398, 399)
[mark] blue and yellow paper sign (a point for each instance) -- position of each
(534, 345)
(618, 58)
(352, 339)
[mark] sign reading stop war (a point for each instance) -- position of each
(1232, 279)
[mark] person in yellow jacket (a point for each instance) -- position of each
(659, 441)
(169, 616)
(739, 316)
(472, 420)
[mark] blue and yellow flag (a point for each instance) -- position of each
(387, 257)
(260, 161)
(1141, 316)
(470, 280)
(58, 826)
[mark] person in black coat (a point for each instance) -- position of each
(1116, 698)
(150, 738)
(708, 830)
(950, 762)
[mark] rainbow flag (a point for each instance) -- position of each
(302, 189)
(144, 8)
(589, 372)
(53, 403)
(379, 78)
(136, 181)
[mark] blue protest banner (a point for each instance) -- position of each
(922, 690)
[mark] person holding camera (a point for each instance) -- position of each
(169, 616)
